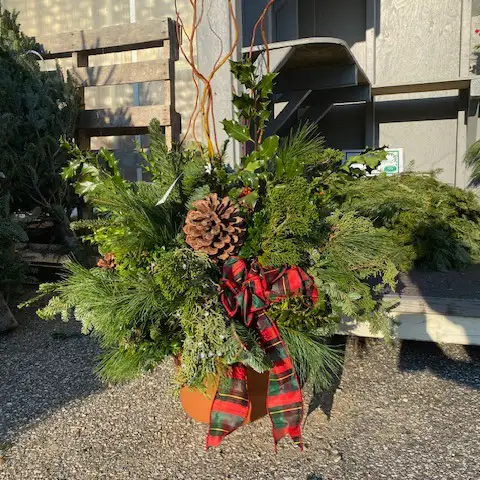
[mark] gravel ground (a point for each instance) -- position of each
(404, 412)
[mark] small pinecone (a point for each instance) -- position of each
(107, 262)
(214, 227)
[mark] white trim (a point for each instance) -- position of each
(133, 11)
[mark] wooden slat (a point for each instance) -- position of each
(438, 305)
(141, 35)
(455, 84)
(424, 327)
(119, 74)
(129, 117)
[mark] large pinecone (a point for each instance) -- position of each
(214, 227)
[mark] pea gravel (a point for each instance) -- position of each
(400, 412)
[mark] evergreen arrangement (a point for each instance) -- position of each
(36, 109)
(290, 202)
(210, 263)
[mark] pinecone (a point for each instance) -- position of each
(107, 262)
(214, 227)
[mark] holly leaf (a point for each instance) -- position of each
(279, 167)
(252, 166)
(82, 188)
(372, 162)
(244, 72)
(265, 85)
(70, 170)
(250, 199)
(236, 131)
(243, 101)
(268, 148)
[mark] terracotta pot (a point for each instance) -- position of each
(198, 405)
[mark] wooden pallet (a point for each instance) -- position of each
(80, 45)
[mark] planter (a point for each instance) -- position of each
(198, 405)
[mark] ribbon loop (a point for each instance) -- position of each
(246, 294)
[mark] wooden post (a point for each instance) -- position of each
(170, 49)
(80, 59)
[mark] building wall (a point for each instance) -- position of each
(406, 41)
(395, 41)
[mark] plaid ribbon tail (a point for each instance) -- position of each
(284, 400)
(230, 406)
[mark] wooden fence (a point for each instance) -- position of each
(129, 120)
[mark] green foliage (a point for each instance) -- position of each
(253, 108)
(472, 160)
(303, 205)
(440, 222)
(88, 170)
(299, 314)
(126, 313)
(356, 257)
(315, 361)
(12, 269)
(183, 168)
(284, 229)
(210, 343)
(301, 148)
(137, 217)
(36, 109)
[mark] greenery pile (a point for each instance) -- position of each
(36, 109)
(472, 161)
(12, 270)
(440, 222)
(153, 295)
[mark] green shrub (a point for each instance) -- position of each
(36, 109)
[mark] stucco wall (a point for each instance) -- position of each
(395, 41)
(418, 40)
(345, 19)
(426, 128)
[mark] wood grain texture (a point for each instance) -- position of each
(129, 117)
(439, 305)
(121, 74)
(140, 35)
(425, 327)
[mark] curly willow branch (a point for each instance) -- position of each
(203, 106)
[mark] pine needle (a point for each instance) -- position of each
(316, 363)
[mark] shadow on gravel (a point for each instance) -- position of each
(436, 288)
(43, 366)
(324, 400)
(429, 356)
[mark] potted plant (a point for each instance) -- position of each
(229, 270)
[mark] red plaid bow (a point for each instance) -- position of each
(247, 294)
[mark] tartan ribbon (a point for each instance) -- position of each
(246, 294)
